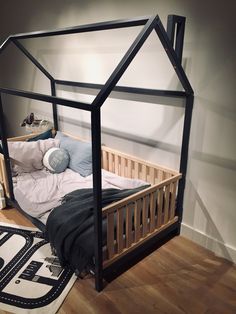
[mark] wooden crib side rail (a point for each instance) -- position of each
(138, 217)
(3, 176)
(23, 137)
(132, 167)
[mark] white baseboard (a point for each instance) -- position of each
(218, 247)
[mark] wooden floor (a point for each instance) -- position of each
(180, 277)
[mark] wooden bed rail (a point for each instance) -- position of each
(3, 175)
(136, 218)
(134, 168)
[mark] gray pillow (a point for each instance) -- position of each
(56, 160)
(80, 154)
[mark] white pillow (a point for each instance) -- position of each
(28, 156)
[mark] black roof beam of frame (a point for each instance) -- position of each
(173, 57)
(125, 62)
(150, 24)
(47, 98)
(32, 59)
(80, 29)
(126, 89)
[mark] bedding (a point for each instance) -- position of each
(40, 191)
(80, 154)
(28, 156)
(42, 136)
(70, 226)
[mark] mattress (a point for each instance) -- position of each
(37, 193)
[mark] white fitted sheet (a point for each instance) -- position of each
(39, 192)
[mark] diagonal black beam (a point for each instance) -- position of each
(173, 57)
(5, 43)
(126, 60)
(126, 89)
(47, 98)
(32, 59)
(84, 28)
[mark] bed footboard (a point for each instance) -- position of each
(135, 219)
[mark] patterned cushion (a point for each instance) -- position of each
(56, 160)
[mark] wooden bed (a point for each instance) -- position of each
(154, 207)
(152, 215)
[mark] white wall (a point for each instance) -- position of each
(146, 129)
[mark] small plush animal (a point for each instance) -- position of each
(28, 120)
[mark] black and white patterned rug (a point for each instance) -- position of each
(31, 278)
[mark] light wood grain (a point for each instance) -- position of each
(131, 167)
(178, 278)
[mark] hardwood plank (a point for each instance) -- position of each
(180, 277)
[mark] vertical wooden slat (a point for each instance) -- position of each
(160, 175)
(152, 212)
(110, 234)
(166, 209)
(136, 170)
(119, 230)
(4, 177)
(122, 166)
(148, 174)
(110, 162)
(129, 169)
(160, 207)
(104, 160)
(157, 178)
(152, 175)
(137, 212)
(117, 167)
(173, 197)
(144, 173)
(145, 215)
(1, 171)
(128, 226)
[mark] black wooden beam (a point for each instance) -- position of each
(184, 155)
(126, 89)
(126, 60)
(54, 106)
(173, 57)
(175, 32)
(97, 195)
(32, 59)
(83, 28)
(47, 98)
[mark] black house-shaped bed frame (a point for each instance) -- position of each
(172, 42)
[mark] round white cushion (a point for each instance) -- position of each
(56, 160)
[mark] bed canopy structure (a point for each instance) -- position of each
(172, 42)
